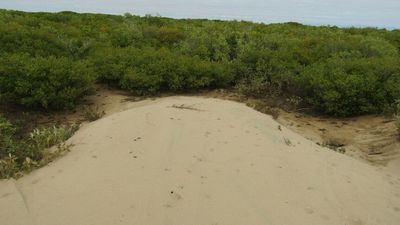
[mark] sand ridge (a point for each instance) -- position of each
(190, 160)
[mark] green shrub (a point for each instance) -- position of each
(149, 70)
(126, 35)
(140, 82)
(110, 63)
(345, 87)
(163, 35)
(50, 82)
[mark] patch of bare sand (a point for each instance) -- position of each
(372, 138)
(185, 160)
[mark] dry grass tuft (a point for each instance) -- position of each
(187, 107)
(92, 114)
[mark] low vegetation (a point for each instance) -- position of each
(93, 113)
(335, 146)
(397, 115)
(19, 155)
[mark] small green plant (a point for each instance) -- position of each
(335, 146)
(41, 139)
(50, 155)
(50, 136)
(93, 114)
(29, 164)
(24, 154)
(8, 167)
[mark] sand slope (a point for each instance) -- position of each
(223, 163)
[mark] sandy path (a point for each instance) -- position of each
(223, 163)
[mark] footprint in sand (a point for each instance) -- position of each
(325, 217)
(5, 195)
(167, 206)
(356, 222)
(309, 210)
(35, 181)
(137, 139)
(199, 159)
(175, 197)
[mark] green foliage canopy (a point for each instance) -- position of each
(51, 60)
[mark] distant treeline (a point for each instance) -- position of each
(51, 60)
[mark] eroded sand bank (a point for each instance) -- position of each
(184, 161)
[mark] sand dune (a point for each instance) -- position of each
(195, 161)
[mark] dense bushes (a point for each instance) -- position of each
(149, 70)
(49, 60)
(163, 35)
(48, 82)
(345, 87)
(334, 73)
(163, 70)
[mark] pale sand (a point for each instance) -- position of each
(223, 164)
